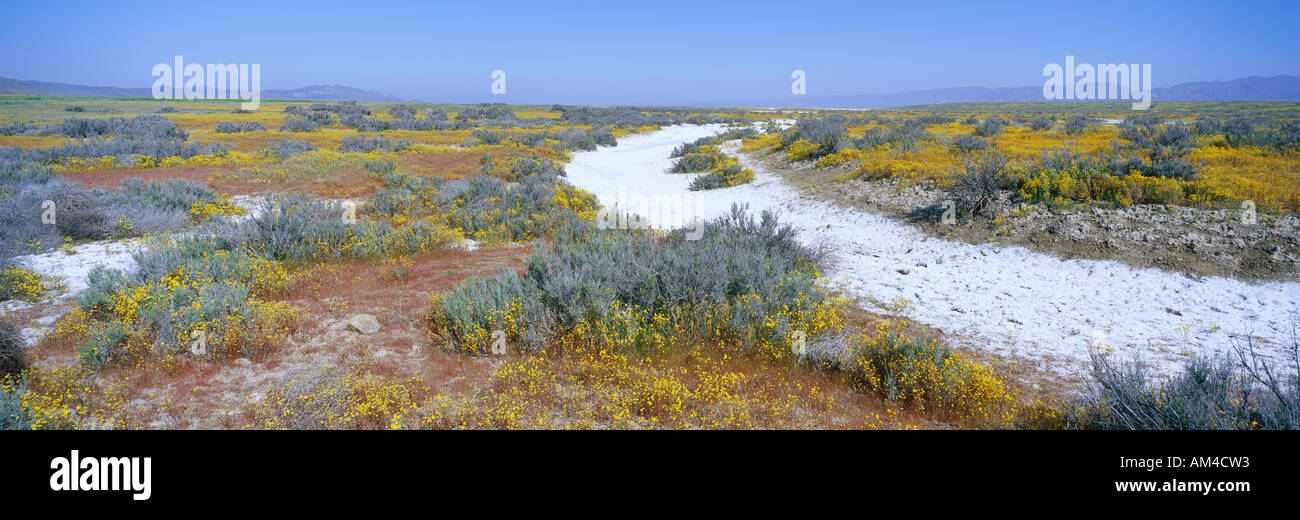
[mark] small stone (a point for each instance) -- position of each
(364, 323)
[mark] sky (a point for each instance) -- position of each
(645, 52)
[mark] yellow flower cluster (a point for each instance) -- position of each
(926, 375)
(17, 283)
(326, 399)
(800, 150)
(185, 300)
(1059, 186)
(230, 158)
(62, 397)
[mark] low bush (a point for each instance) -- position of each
(871, 138)
(403, 195)
(144, 127)
(608, 117)
(370, 143)
(486, 111)
(989, 127)
(703, 155)
(119, 148)
(299, 228)
(978, 188)
(576, 138)
(1075, 125)
(487, 209)
(213, 286)
(298, 124)
(723, 175)
(824, 133)
(515, 167)
(227, 127)
(401, 111)
(187, 297)
(139, 208)
(17, 283)
(1237, 131)
(434, 114)
(365, 123)
(1246, 392)
(702, 159)
(1163, 148)
(282, 149)
(342, 108)
(921, 373)
(744, 281)
(908, 136)
(969, 143)
(13, 355)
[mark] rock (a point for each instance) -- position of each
(364, 323)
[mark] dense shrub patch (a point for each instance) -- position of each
(703, 155)
(746, 281)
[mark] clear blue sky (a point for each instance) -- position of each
(616, 52)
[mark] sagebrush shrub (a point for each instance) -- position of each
(401, 110)
(1243, 393)
(989, 127)
(1163, 147)
(285, 148)
(370, 143)
(118, 147)
(486, 111)
(1075, 125)
(978, 187)
(227, 127)
(143, 127)
(13, 355)
(750, 277)
(969, 143)
(298, 124)
(825, 133)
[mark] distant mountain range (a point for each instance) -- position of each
(9, 86)
(1254, 88)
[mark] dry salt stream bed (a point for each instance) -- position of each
(1006, 301)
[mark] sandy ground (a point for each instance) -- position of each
(1002, 300)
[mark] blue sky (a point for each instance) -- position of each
(636, 52)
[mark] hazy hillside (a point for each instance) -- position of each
(1279, 88)
(10, 86)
